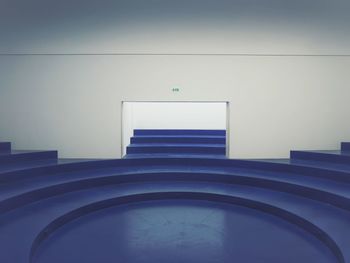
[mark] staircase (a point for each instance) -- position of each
(182, 205)
(190, 143)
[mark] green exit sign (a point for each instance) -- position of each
(175, 89)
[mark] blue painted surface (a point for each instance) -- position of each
(5, 147)
(25, 156)
(178, 139)
(210, 149)
(175, 207)
(181, 231)
(189, 142)
(174, 156)
(151, 132)
(345, 146)
(324, 156)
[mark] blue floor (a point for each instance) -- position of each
(174, 206)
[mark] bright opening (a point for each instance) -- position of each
(172, 115)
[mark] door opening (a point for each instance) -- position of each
(196, 115)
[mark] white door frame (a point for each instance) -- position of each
(171, 101)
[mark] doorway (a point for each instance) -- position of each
(206, 115)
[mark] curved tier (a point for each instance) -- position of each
(234, 200)
(41, 196)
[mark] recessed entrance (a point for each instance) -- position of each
(173, 115)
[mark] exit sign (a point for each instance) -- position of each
(175, 89)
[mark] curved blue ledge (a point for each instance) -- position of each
(40, 193)
(93, 207)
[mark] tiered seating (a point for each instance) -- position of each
(211, 143)
(5, 147)
(345, 146)
(175, 207)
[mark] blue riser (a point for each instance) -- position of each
(319, 207)
(29, 156)
(340, 176)
(178, 139)
(87, 227)
(5, 146)
(322, 157)
(176, 149)
(257, 205)
(47, 231)
(184, 177)
(345, 146)
(179, 132)
(49, 190)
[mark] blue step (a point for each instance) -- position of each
(199, 156)
(25, 156)
(192, 139)
(329, 171)
(34, 164)
(260, 205)
(310, 192)
(47, 216)
(207, 149)
(5, 146)
(322, 156)
(345, 146)
(311, 163)
(113, 242)
(15, 195)
(150, 132)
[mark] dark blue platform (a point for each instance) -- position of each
(175, 207)
(152, 132)
(345, 146)
(190, 142)
(5, 147)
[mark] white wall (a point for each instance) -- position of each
(73, 103)
(269, 59)
(172, 115)
(182, 26)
